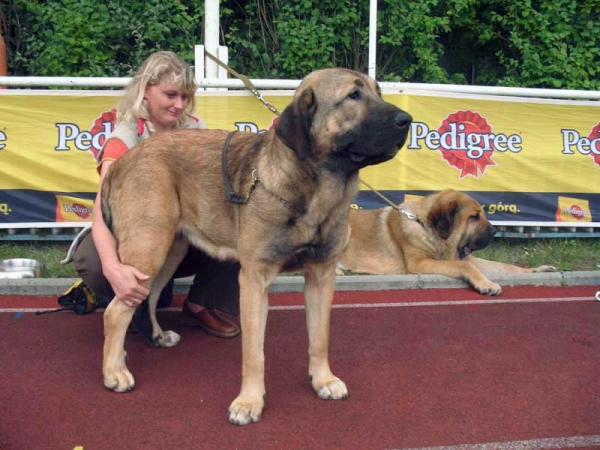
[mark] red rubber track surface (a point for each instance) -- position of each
(422, 370)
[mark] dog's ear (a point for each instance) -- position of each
(293, 126)
(441, 218)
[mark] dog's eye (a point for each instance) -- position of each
(475, 217)
(354, 95)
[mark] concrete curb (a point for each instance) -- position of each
(56, 286)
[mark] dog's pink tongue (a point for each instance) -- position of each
(467, 251)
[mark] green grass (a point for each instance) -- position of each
(48, 253)
(564, 254)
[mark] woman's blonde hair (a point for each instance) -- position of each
(159, 67)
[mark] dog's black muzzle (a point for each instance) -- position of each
(485, 239)
(379, 137)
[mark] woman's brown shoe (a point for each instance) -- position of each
(210, 321)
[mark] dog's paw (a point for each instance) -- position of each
(243, 411)
(118, 380)
(545, 269)
(331, 389)
(488, 288)
(167, 339)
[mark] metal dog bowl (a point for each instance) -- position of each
(21, 268)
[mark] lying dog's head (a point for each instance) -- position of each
(459, 216)
(339, 117)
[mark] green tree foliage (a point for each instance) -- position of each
(93, 37)
(553, 44)
(531, 43)
(288, 39)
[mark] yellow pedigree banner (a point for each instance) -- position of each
(533, 160)
(49, 142)
(505, 145)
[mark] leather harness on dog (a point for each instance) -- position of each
(232, 196)
(235, 197)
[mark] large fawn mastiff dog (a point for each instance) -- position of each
(435, 235)
(297, 181)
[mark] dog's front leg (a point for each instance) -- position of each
(254, 305)
(318, 297)
(117, 318)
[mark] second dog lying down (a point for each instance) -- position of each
(433, 235)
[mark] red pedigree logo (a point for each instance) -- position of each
(594, 138)
(576, 212)
(573, 210)
(80, 210)
(465, 142)
(102, 127)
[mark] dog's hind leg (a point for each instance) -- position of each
(160, 338)
(117, 316)
(318, 297)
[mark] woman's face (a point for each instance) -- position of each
(166, 102)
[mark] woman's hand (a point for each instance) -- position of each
(125, 281)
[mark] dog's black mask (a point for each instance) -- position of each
(383, 132)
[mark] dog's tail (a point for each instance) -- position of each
(105, 207)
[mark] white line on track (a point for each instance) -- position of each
(447, 303)
(382, 305)
(534, 444)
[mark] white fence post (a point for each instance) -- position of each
(201, 60)
(199, 64)
(223, 55)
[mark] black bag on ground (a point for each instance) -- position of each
(78, 298)
(82, 300)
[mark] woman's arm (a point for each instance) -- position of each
(124, 279)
